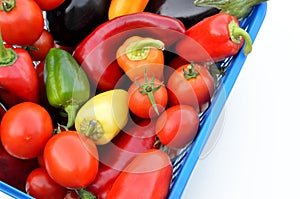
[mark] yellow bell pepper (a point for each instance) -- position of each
(103, 116)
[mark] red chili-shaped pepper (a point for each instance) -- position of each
(96, 53)
(214, 39)
(18, 78)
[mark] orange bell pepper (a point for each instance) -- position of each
(139, 54)
(123, 7)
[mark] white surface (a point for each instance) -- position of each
(257, 155)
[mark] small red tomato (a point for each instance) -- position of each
(190, 84)
(25, 130)
(177, 126)
(40, 185)
(48, 5)
(40, 48)
(147, 99)
(71, 159)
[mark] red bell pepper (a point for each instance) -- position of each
(214, 39)
(115, 156)
(97, 52)
(18, 78)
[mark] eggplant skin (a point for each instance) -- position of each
(75, 19)
(184, 10)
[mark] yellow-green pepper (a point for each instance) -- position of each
(103, 116)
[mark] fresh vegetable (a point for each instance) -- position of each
(40, 185)
(103, 116)
(138, 54)
(21, 21)
(49, 4)
(134, 139)
(214, 39)
(185, 10)
(67, 85)
(40, 48)
(177, 126)
(25, 129)
(123, 7)
(150, 173)
(237, 8)
(14, 171)
(71, 160)
(191, 84)
(73, 20)
(105, 39)
(147, 98)
(18, 79)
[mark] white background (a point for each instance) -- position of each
(258, 148)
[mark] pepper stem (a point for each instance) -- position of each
(84, 194)
(92, 129)
(8, 5)
(71, 112)
(139, 50)
(236, 32)
(7, 55)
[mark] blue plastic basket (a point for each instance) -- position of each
(185, 162)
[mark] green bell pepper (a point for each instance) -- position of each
(67, 85)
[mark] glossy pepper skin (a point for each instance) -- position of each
(18, 79)
(214, 39)
(97, 52)
(67, 86)
(73, 20)
(134, 139)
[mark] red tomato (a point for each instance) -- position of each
(40, 48)
(190, 84)
(48, 5)
(25, 129)
(147, 176)
(177, 126)
(71, 159)
(23, 24)
(40, 185)
(140, 94)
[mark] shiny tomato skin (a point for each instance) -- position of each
(177, 126)
(48, 5)
(25, 130)
(141, 105)
(40, 48)
(71, 159)
(23, 25)
(40, 185)
(194, 91)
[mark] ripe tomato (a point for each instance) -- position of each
(40, 185)
(48, 5)
(190, 84)
(71, 159)
(23, 24)
(147, 99)
(25, 129)
(40, 48)
(177, 126)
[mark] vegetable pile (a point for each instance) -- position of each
(95, 94)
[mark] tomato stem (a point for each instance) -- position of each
(191, 72)
(84, 194)
(236, 33)
(8, 5)
(92, 129)
(139, 50)
(7, 55)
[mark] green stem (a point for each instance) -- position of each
(8, 5)
(191, 72)
(139, 50)
(236, 32)
(71, 112)
(92, 129)
(7, 55)
(84, 194)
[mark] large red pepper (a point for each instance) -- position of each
(214, 39)
(18, 78)
(115, 156)
(97, 52)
